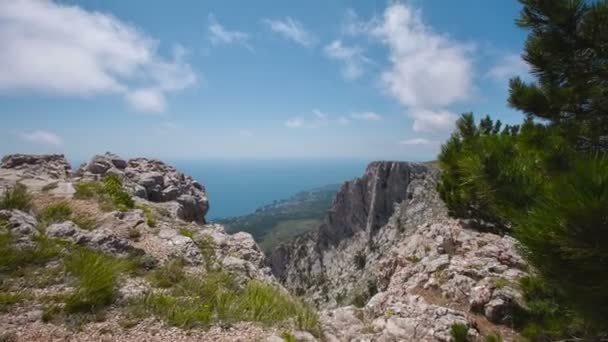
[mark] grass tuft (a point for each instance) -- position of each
(171, 273)
(459, 332)
(56, 213)
(97, 278)
(16, 197)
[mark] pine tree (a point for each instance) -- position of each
(567, 48)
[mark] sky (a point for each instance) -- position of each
(264, 80)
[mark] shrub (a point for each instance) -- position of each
(97, 277)
(112, 185)
(16, 197)
(459, 332)
(56, 213)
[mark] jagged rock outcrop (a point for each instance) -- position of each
(155, 181)
(131, 234)
(389, 246)
(38, 172)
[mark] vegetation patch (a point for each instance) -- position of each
(216, 297)
(16, 197)
(56, 213)
(171, 273)
(96, 279)
(108, 192)
(360, 259)
(459, 332)
(7, 299)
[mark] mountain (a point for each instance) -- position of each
(284, 219)
(121, 250)
(389, 264)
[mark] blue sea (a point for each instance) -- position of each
(239, 187)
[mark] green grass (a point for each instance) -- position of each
(108, 192)
(13, 259)
(7, 299)
(56, 213)
(97, 279)
(16, 197)
(187, 232)
(149, 215)
(171, 273)
(459, 333)
(84, 222)
(494, 337)
(216, 297)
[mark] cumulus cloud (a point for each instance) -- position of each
(430, 121)
(292, 30)
(428, 71)
(352, 58)
(320, 119)
(509, 66)
(366, 116)
(220, 35)
(147, 100)
(65, 50)
(42, 137)
(417, 142)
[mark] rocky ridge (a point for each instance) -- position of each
(178, 205)
(409, 271)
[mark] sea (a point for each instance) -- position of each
(238, 187)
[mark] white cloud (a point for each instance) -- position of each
(366, 116)
(343, 120)
(321, 119)
(417, 142)
(430, 121)
(42, 137)
(295, 122)
(147, 100)
(509, 66)
(428, 69)
(220, 35)
(292, 30)
(352, 57)
(65, 50)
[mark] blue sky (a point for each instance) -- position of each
(251, 80)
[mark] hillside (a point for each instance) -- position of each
(282, 220)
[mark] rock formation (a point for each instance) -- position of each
(388, 246)
(387, 263)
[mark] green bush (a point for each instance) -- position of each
(459, 333)
(56, 213)
(16, 197)
(97, 279)
(494, 337)
(112, 186)
(87, 190)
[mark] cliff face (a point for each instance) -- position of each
(388, 246)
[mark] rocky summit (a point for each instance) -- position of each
(389, 264)
(386, 264)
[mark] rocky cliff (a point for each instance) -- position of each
(157, 227)
(388, 264)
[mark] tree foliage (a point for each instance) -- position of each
(534, 179)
